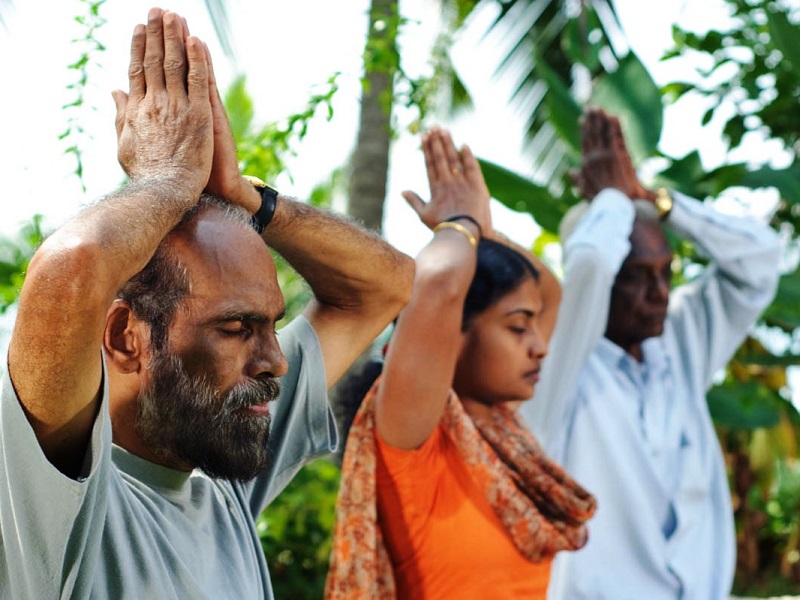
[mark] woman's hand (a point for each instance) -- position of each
(456, 184)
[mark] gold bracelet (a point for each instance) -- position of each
(458, 227)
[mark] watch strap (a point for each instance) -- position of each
(269, 201)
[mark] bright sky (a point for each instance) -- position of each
(285, 48)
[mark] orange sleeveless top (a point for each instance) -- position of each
(443, 538)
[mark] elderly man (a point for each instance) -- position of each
(621, 403)
(136, 407)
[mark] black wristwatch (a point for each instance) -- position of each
(269, 200)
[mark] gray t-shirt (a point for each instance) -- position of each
(133, 529)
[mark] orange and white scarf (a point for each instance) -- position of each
(542, 509)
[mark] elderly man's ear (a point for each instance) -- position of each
(126, 339)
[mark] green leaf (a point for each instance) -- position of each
(685, 174)
(631, 94)
(787, 180)
(785, 36)
(563, 111)
(239, 106)
(577, 46)
(784, 312)
(523, 195)
(743, 405)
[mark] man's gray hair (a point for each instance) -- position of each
(156, 291)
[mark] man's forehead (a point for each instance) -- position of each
(648, 239)
(229, 266)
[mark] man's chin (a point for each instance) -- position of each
(235, 468)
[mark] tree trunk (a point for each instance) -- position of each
(370, 162)
(367, 188)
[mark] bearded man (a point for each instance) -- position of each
(144, 364)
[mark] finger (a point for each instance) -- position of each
(426, 151)
(414, 201)
(218, 113)
(604, 130)
(453, 158)
(136, 81)
(197, 79)
(587, 131)
(438, 157)
(154, 51)
(174, 55)
(213, 90)
(121, 102)
(615, 133)
(472, 169)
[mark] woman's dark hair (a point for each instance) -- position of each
(500, 270)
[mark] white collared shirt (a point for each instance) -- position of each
(639, 435)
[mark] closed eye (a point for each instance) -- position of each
(234, 332)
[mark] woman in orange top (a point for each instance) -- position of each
(444, 493)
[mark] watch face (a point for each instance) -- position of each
(255, 181)
(663, 202)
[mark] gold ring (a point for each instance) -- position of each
(456, 170)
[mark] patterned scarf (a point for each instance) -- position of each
(541, 508)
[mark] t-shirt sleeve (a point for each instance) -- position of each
(410, 475)
(50, 524)
(303, 426)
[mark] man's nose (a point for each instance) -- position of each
(268, 359)
(659, 288)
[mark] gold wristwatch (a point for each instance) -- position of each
(663, 203)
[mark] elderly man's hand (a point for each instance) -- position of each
(164, 124)
(606, 162)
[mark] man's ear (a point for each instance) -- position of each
(125, 339)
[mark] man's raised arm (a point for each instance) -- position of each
(164, 128)
(359, 281)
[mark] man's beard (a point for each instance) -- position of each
(187, 421)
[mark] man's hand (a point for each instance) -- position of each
(606, 162)
(225, 180)
(164, 125)
(456, 182)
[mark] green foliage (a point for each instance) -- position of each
(755, 68)
(295, 532)
(15, 254)
(522, 195)
(89, 45)
(263, 152)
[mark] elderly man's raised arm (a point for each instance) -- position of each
(713, 313)
(165, 143)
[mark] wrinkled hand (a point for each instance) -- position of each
(164, 124)
(225, 180)
(606, 162)
(456, 184)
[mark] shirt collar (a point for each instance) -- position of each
(656, 361)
